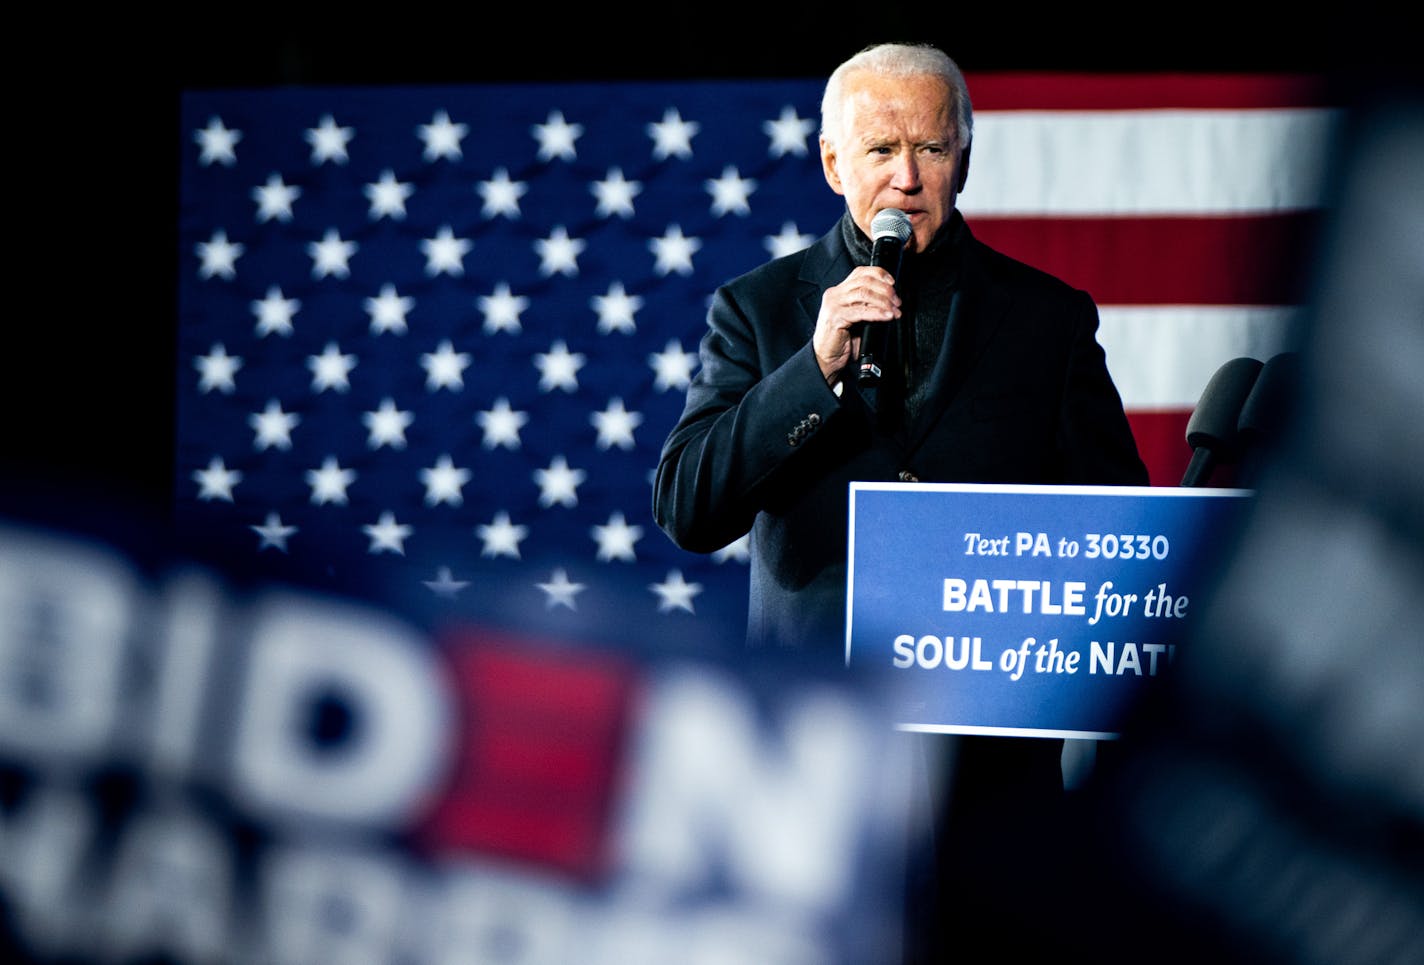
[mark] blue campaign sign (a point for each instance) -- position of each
(1027, 610)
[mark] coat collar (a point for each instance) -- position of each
(826, 264)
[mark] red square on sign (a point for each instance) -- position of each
(540, 749)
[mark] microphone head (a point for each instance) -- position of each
(1213, 424)
(1263, 416)
(890, 223)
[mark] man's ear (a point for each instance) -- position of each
(828, 166)
(963, 168)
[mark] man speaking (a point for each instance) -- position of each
(990, 372)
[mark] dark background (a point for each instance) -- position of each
(93, 151)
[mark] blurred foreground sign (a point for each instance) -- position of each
(192, 772)
(1028, 610)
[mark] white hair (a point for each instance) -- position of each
(899, 60)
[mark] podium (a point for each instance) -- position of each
(1045, 611)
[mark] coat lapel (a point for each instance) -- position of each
(826, 264)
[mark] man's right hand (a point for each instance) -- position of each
(866, 295)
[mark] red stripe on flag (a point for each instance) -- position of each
(1066, 91)
(1162, 442)
(1246, 260)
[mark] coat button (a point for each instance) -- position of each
(907, 476)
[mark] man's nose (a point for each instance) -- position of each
(906, 177)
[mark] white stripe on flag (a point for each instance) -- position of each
(1148, 162)
(1162, 357)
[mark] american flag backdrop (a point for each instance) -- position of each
(431, 339)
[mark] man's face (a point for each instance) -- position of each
(897, 148)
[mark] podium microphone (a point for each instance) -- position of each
(1263, 416)
(1212, 429)
(1261, 425)
(889, 230)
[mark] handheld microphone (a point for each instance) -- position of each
(1212, 429)
(889, 230)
